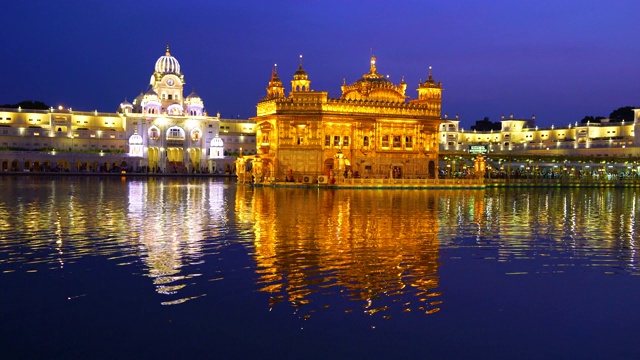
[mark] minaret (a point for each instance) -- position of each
(300, 80)
(430, 93)
(275, 89)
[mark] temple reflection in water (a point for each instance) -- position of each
(365, 245)
(171, 221)
(351, 250)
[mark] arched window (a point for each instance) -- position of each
(154, 134)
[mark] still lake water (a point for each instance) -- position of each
(119, 268)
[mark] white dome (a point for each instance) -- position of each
(217, 142)
(167, 64)
(135, 139)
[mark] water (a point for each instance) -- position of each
(201, 268)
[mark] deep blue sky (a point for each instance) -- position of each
(560, 60)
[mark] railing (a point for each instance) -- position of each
(408, 182)
(628, 181)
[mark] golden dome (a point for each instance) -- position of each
(374, 86)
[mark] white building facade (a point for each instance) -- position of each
(160, 131)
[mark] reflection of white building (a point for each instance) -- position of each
(160, 130)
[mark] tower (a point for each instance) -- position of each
(275, 89)
(168, 82)
(300, 80)
(430, 93)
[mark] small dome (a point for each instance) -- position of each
(135, 139)
(217, 142)
(167, 64)
(300, 74)
(126, 104)
(193, 95)
(275, 79)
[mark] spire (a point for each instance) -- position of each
(274, 74)
(300, 80)
(275, 88)
(168, 53)
(372, 69)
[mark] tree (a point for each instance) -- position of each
(486, 125)
(591, 119)
(27, 104)
(624, 113)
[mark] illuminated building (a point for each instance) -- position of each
(159, 131)
(607, 139)
(371, 130)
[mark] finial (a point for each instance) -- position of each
(300, 60)
(373, 65)
(344, 81)
(168, 54)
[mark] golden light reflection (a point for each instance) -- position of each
(362, 245)
(559, 225)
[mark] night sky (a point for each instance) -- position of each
(559, 60)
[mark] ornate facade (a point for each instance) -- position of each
(370, 131)
(160, 131)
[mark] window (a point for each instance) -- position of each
(336, 141)
(170, 97)
(345, 141)
(396, 142)
(408, 141)
(327, 140)
(385, 141)
(365, 141)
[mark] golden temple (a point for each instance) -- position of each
(371, 131)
